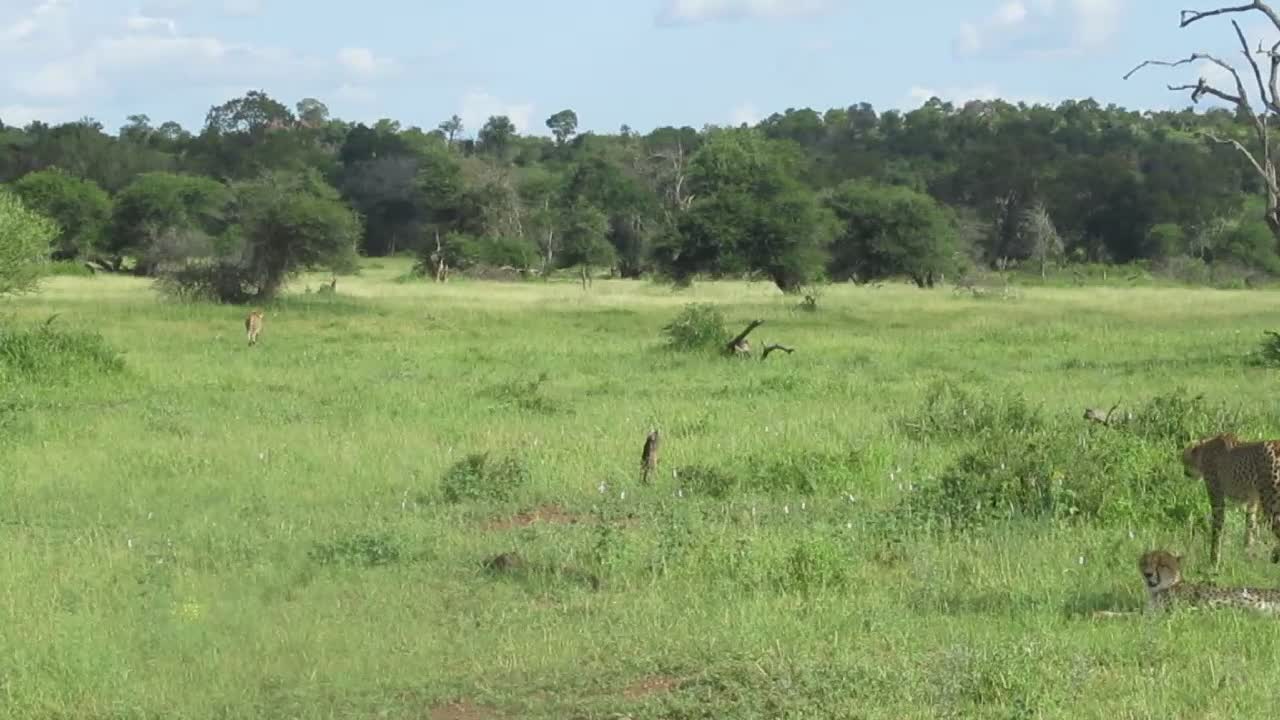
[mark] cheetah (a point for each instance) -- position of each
(1162, 573)
(649, 456)
(1244, 472)
(253, 326)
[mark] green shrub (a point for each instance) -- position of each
(67, 268)
(951, 411)
(698, 327)
(367, 550)
(46, 352)
(1092, 473)
(481, 477)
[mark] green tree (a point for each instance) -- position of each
(161, 205)
(497, 135)
(563, 125)
(81, 209)
(25, 236)
(584, 240)
(289, 221)
(887, 230)
(749, 213)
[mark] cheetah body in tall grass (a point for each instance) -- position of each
(1162, 572)
(1243, 472)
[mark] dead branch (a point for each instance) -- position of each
(1187, 17)
(775, 346)
(739, 345)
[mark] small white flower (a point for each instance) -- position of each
(601, 488)
(786, 510)
(1080, 560)
(622, 495)
(802, 505)
(849, 525)
(130, 543)
(680, 492)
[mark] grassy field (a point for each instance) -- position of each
(210, 530)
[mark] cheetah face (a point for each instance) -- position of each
(1160, 569)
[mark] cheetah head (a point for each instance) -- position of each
(1194, 456)
(1160, 570)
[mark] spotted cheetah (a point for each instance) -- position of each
(1245, 472)
(1161, 570)
(253, 326)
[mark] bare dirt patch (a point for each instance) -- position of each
(645, 687)
(552, 514)
(462, 711)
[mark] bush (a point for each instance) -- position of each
(360, 549)
(951, 411)
(481, 477)
(46, 352)
(698, 327)
(1091, 474)
(25, 238)
(67, 268)
(220, 281)
(1174, 420)
(1268, 353)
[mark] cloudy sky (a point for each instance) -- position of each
(641, 62)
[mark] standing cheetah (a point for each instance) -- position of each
(1246, 472)
(1163, 575)
(253, 326)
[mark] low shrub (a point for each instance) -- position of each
(48, 352)
(480, 476)
(698, 327)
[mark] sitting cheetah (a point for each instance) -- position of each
(1163, 575)
(1247, 472)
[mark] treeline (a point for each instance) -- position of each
(848, 194)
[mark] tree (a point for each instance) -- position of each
(1038, 229)
(81, 209)
(1259, 112)
(452, 128)
(889, 230)
(584, 241)
(496, 136)
(748, 213)
(25, 236)
(163, 204)
(563, 125)
(289, 221)
(312, 113)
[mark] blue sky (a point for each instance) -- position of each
(641, 62)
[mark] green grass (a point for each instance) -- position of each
(208, 530)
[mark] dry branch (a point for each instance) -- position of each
(775, 346)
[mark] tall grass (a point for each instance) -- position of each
(905, 518)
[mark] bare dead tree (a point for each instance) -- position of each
(1268, 96)
(649, 456)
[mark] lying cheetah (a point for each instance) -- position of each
(1161, 570)
(253, 326)
(1246, 472)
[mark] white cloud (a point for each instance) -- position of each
(22, 115)
(478, 106)
(688, 12)
(359, 94)
(362, 61)
(744, 113)
(1041, 27)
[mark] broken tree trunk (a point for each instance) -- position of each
(775, 346)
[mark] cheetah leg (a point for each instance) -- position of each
(1219, 509)
(1275, 530)
(1250, 524)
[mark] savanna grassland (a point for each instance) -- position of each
(907, 518)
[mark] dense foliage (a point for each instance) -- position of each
(846, 194)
